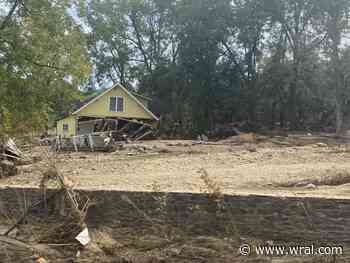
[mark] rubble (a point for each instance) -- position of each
(10, 157)
(7, 168)
(71, 211)
(105, 136)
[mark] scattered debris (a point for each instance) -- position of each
(252, 148)
(10, 151)
(104, 135)
(58, 219)
(333, 178)
(10, 157)
(7, 168)
(84, 237)
(202, 138)
(180, 144)
(321, 144)
(311, 187)
(72, 218)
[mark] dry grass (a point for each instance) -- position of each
(211, 186)
(104, 240)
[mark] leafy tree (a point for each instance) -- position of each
(336, 15)
(43, 61)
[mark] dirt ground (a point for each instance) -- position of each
(298, 165)
(281, 166)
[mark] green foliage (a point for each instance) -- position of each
(211, 62)
(205, 63)
(43, 61)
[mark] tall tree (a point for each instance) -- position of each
(298, 21)
(43, 59)
(336, 15)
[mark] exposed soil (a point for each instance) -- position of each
(267, 167)
(294, 166)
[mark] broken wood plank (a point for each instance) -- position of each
(138, 131)
(10, 156)
(143, 135)
(125, 127)
(135, 121)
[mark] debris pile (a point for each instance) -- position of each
(58, 217)
(103, 134)
(10, 157)
(67, 219)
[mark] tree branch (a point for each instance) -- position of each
(10, 14)
(43, 65)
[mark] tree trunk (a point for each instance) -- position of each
(339, 117)
(273, 115)
(293, 109)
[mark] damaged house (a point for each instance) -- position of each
(115, 110)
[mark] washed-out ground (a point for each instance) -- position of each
(280, 167)
(301, 166)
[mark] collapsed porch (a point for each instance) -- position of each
(98, 133)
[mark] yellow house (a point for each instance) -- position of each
(116, 103)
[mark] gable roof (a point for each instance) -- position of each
(140, 96)
(108, 90)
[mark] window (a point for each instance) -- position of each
(65, 127)
(116, 104)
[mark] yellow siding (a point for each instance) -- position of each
(52, 131)
(71, 122)
(100, 107)
(143, 101)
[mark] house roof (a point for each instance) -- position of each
(93, 99)
(140, 96)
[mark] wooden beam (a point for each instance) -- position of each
(113, 119)
(135, 121)
(143, 135)
(125, 127)
(138, 131)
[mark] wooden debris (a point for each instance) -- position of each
(106, 135)
(7, 168)
(10, 151)
(10, 157)
(73, 223)
(143, 135)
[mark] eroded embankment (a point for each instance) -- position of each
(177, 217)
